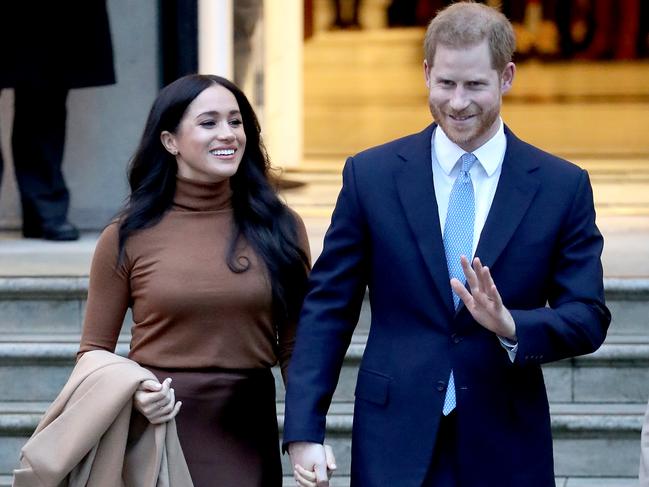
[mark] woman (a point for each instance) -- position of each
(214, 267)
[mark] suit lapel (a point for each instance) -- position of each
(516, 189)
(416, 191)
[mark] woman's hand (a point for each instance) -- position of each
(156, 402)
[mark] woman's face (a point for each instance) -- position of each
(210, 140)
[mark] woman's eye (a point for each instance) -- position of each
(208, 123)
(236, 122)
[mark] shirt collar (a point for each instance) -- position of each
(490, 154)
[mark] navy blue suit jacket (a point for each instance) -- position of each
(543, 247)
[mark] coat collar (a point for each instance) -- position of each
(514, 194)
(414, 181)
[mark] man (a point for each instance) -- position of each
(450, 390)
(49, 48)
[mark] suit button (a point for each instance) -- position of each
(456, 338)
(441, 386)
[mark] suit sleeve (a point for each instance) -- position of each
(576, 319)
(328, 318)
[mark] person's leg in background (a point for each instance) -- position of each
(338, 16)
(356, 7)
(2, 166)
(38, 140)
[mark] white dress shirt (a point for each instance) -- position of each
(485, 175)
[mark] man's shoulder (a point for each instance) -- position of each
(519, 150)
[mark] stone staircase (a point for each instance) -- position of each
(597, 401)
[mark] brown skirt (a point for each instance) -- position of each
(227, 426)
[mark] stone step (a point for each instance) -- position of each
(35, 367)
(590, 440)
(56, 305)
(338, 481)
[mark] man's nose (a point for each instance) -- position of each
(459, 101)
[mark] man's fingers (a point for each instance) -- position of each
(489, 287)
(495, 296)
(330, 457)
(461, 291)
(466, 266)
(484, 276)
(479, 272)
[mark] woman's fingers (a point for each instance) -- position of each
(169, 416)
(149, 385)
(303, 477)
(156, 401)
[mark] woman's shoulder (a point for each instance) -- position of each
(295, 215)
(300, 227)
(110, 234)
(300, 230)
(108, 241)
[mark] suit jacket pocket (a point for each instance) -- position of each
(373, 387)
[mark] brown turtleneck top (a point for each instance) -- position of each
(189, 309)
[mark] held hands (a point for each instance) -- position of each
(313, 463)
(156, 402)
(483, 300)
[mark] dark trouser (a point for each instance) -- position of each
(338, 13)
(443, 469)
(38, 139)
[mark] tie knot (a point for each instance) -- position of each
(468, 160)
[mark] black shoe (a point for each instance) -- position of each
(65, 231)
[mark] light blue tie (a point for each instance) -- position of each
(458, 240)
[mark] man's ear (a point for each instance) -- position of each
(427, 74)
(169, 142)
(507, 78)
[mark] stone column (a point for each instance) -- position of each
(215, 37)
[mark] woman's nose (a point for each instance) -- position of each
(225, 132)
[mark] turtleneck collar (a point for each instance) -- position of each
(199, 196)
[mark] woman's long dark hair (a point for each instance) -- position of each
(259, 216)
